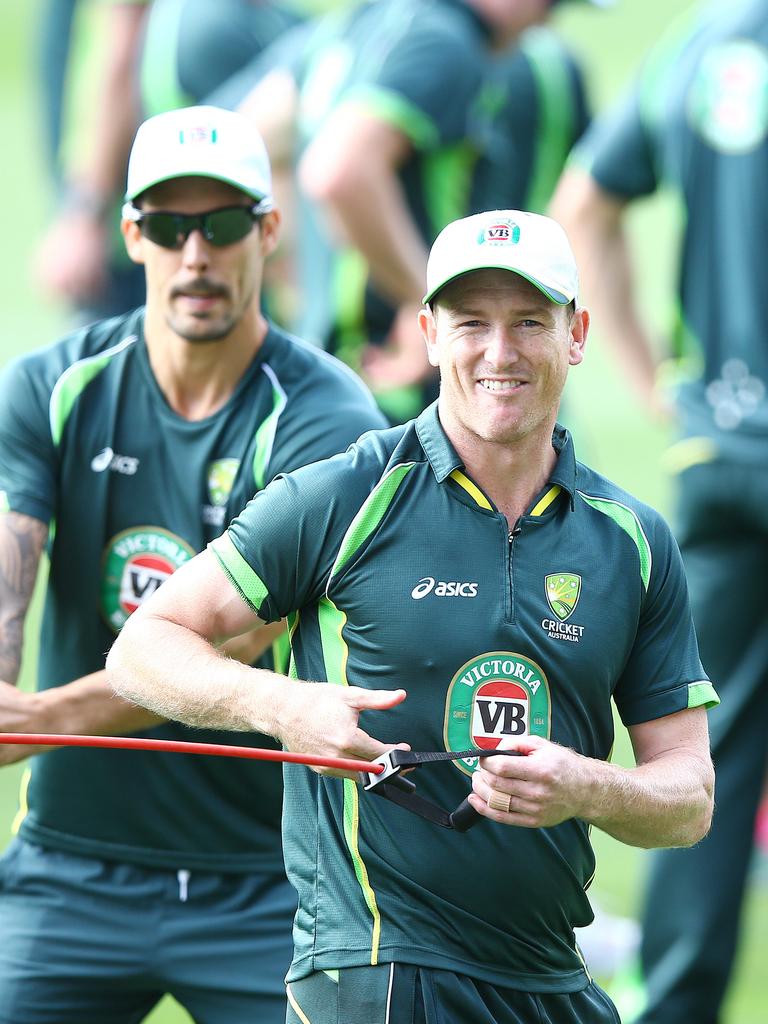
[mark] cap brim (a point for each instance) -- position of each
(257, 196)
(551, 293)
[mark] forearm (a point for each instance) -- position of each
(595, 223)
(351, 170)
(98, 176)
(376, 220)
(666, 802)
(84, 707)
(194, 683)
(21, 543)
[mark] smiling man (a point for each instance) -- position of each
(426, 574)
(140, 437)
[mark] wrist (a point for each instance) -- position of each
(597, 787)
(272, 703)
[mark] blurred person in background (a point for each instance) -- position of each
(697, 122)
(97, 87)
(401, 117)
(124, 449)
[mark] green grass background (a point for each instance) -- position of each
(609, 425)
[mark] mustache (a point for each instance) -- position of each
(202, 286)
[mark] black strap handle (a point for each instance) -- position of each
(401, 791)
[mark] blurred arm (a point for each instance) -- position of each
(72, 255)
(272, 105)
(86, 706)
(350, 169)
(594, 221)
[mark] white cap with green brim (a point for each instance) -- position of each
(535, 247)
(207, 142)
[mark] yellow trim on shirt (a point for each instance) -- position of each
(541, 506)
(295, 1006)
(23, 805)
(472, 489)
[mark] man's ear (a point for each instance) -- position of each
(133, 240)
(428, 330)
(270, 231)
(579, 329)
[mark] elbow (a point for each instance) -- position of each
(583, 207)
(114, 667)
(326, 179)
(700, 819)
(119, 674)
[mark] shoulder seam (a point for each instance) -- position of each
(60, 385)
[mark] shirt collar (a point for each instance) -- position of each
(440, 452)
(564, 473)
(444, 460)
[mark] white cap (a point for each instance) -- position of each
(208, 142)
(528, 244)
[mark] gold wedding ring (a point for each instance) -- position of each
(499, 801)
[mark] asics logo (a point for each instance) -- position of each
(441, 588)
(107, 459)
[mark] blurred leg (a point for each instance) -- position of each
(695, 897)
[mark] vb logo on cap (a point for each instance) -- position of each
(200, 133)
(503, 232)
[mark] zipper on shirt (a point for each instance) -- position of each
(511, 535)
(183, 877)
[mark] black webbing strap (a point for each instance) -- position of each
(401, 791)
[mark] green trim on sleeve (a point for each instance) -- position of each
(369, 515)
(251, 588)
(447, 178)
(331, 621)
(627, 520)
(73, 382)
(4, 503)
(265, 435)
(394, 109)
(702, 694)
(350, 277)
(557, 115)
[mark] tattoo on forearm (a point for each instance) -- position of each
(21, 544)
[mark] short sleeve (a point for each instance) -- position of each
(408, 89)
(280, 550)
(663, 674)
(618, 152)
(28, 459)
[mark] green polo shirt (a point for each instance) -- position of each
(397, 571)
(132, 490)
(697, 123)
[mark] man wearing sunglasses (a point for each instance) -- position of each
(134, 875)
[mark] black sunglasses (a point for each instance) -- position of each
(225, 226)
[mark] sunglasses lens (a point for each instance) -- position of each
(220, 227)
(170, 230)
(224, 227)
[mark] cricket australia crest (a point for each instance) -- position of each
(563, 590)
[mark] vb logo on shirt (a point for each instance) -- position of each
(494, 697)
(135, 563)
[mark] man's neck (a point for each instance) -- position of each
(198, 378)
(510, 475)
